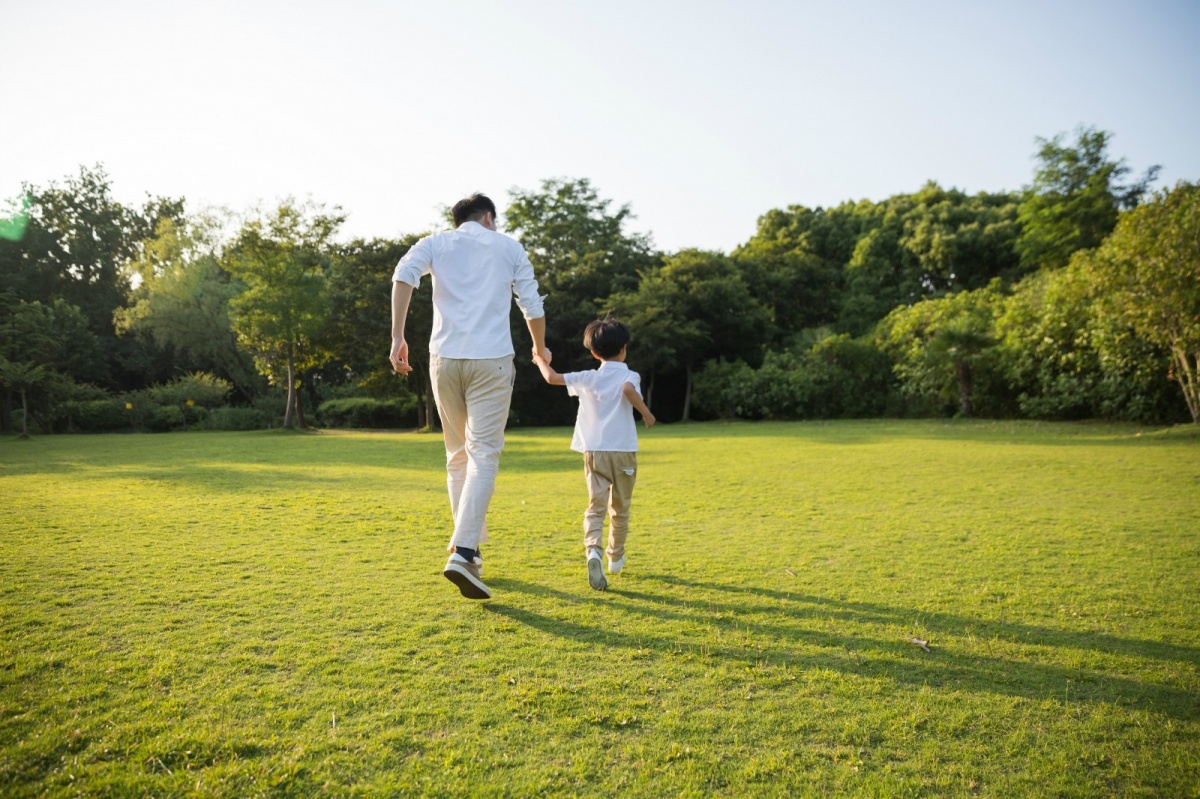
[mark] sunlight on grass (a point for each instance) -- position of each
(239, 614)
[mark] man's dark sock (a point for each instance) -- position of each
(469, 554)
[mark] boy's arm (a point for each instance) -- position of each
(552, 377)
(635, 399)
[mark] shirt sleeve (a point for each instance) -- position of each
(573, 382)
(635, 380)
(525, 286)
(415, 264)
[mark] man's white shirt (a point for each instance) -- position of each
(475, 270)
(605, 422)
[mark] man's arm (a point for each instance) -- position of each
(537, 331)
(401, 296)
(635, 399)
(552, 377)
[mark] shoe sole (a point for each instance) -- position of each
(470, 587)
(596, 574)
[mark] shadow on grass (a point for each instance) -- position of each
(886, 656)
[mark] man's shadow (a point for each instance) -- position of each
(787, 642)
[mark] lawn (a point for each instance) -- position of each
(242, 614)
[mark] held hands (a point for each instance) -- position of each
(542, 357)
(399, 356)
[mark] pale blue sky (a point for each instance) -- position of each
(700, 115)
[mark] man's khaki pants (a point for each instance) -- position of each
(472, 396)
(610, 478)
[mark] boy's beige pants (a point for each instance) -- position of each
(610, 478)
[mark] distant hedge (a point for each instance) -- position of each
(363, 412)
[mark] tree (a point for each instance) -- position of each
(183, 297)
(281, 258)
(696, 307)
(1064, 357)
(1149, 274)
(1075, 198)
(582, 256)
(360, 309)
(939, 345)
(55, 337)
(22, 376)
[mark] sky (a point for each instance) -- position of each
(701, 116)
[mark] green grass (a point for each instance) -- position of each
(239, 614)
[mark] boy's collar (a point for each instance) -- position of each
(614, 364)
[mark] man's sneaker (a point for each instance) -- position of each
(596, 570)
(465, 574)
(615, 566)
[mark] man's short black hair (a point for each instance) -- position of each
(606, 337)
(472, 209)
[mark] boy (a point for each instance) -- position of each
(606, 434)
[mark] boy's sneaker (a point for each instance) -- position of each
(466, 575)
(615, 566)
(596, 570)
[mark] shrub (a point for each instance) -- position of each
(365, 412)
(96, 416)
(239, 419)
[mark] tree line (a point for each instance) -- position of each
(1075, 297)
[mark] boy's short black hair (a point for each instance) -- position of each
(472, 209)
(606, 337)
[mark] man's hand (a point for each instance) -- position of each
(543, 355)
(399, 356)
(648, 420)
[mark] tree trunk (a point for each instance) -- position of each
(650, 390)
(687, 397)
(1188, 376)
(288, 413)
(6, 421)
(964, 387)
(24, 415)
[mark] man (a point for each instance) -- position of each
(474, 270)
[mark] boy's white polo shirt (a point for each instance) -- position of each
(605, 421)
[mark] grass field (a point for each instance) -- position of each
(241, 614)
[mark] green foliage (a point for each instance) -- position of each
(97, 415)
(838, 377)
(281, 259)
(1074, 199)
(183, 297)
(198, 388)
(852, 264)
(943, 347)
(696, 307)
(1064, 358)
(364, 412)
(238, 419)
(582, 256)
(1149, 274)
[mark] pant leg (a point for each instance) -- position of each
(624, 472)
(487, 392)
(598, 485)
(450, 397)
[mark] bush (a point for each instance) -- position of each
(97, 416)
(162, 419)
(239, 419)
(365, 412)
(838, 377)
